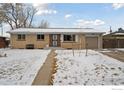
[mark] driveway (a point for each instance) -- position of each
(116, 54)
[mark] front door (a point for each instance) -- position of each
(54, 40)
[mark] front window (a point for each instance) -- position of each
(40, 37)
(21, 36)
(69, 37)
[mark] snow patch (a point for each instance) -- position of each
(94, 69)
(21, 66)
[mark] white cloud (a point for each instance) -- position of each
(43, 9)
(36, 4)
(40, 5)
(117, 5)
(99, 22)
(89, 23)
(40, 12)
(68, 16)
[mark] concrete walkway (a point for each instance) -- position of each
(44, 75)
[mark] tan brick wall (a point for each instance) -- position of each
(82, 40)
(76, 45)
(30, 39)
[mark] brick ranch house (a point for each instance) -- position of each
(56, 37)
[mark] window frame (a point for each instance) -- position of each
(21, 37)
(66, 38)
(40, 37)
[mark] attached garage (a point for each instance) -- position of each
(92, 42)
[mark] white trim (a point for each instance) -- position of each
(61, 37)
(76, 38)
(56, 31)
(98, 42)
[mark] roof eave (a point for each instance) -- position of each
(57, 32)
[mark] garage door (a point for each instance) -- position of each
(92, 42)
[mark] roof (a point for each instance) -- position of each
(116, 33)
(56, 30)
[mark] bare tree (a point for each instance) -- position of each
(44, 24)
(17, 15)
(120, 29)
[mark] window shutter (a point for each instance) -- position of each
(76, 38)
(61, 38)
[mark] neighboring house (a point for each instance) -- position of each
(56, 37)
(3, 42)
(114, 40)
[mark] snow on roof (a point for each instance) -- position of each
(118, 33)
(56, 30)
(114, 33)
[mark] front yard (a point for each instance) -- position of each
(93, 69)
(20, 66)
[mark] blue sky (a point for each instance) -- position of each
(71, 15)
(84, 15)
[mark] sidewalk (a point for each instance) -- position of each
(44, 75)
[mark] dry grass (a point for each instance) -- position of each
(54, 69)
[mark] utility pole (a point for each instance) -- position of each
(110, 29)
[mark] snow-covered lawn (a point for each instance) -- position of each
(20, 66)
(94, 69)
